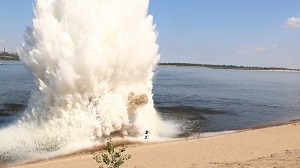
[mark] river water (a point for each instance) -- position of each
(197, 98)
(219, 100)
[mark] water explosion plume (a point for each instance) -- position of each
(93, 63)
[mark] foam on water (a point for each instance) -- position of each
(93, 63)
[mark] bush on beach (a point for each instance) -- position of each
(110, 157)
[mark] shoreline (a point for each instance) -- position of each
(229, 67)
(158, 150)
(238, 69)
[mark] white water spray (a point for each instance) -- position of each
(93, 63)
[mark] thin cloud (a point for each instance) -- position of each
(260, 49)
(1, 41)
(293, 22)
(274, 45)
(245, 49)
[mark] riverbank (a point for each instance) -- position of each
(230, 67)
(273, 146)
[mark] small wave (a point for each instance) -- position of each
(192, 110)
(12, 107)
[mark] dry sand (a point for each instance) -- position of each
(276, 146)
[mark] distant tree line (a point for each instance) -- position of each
(9, 56)
(227, 66)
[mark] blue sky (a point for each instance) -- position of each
(244, 32)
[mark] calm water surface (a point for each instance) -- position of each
(217, 100)
(15, 87)
(197, 98)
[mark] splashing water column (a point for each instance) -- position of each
(93, 63)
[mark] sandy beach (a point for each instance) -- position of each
(275, 146)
